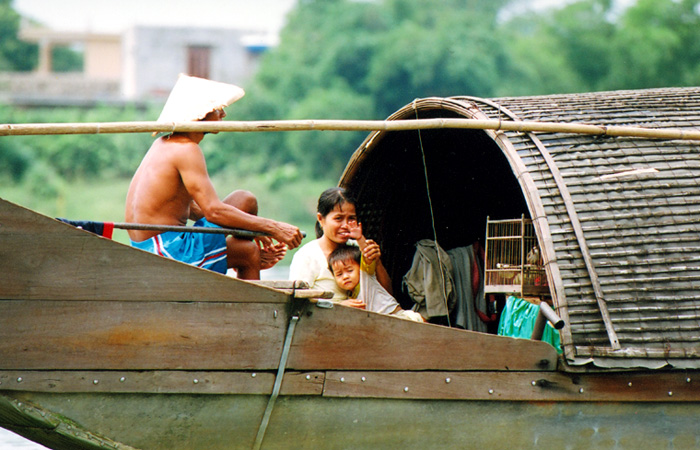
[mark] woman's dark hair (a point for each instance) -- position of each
(328, 200)
(344, 253)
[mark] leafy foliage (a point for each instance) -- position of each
(14, 54)
(351, 59)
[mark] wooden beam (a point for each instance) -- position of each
(159, 382)
(345, 125)
(516, 386)
(110, 335)
(128, 335)
(353, 339)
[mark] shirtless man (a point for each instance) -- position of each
(172, 185)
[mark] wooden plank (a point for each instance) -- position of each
(516, 386)
(347, 338)
(282, 284)
(160, 382)
(308, 293)
(107, 335)
(59, 335)
(42, 258)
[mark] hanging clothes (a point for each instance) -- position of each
(429, 281)
(468, 274)
(518, 320)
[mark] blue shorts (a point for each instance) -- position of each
(205, 250)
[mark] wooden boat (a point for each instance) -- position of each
(104, 346)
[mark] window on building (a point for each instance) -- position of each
(198, 61)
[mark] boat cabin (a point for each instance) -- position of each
(606, 229)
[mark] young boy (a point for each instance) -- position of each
(356, 276)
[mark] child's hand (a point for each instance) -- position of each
(371, 252)
(355, 230)
(354, 303)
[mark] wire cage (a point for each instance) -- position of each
(513, 259)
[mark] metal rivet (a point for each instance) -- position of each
(342, 380)
(534, 383)
(448, 380)
(490, 391)
(122, 379)
(405, 389)
(670, 393)
(195, 381)
(580, 391)
(95, 381)
(253, 375)
(19, 379)
(308, 377)
(363, 379)
(629, 384)
(687, 380)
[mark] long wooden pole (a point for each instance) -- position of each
(191, 229)
(345, 125)
(188, 229)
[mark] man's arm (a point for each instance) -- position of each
(195, 211)
(189, 162)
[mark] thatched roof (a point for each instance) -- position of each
(618, 219)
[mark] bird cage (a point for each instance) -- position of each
(513, 260)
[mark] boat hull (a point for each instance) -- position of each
(176, 421)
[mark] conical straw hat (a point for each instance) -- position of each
(192, 98)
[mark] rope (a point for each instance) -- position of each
(432, 222)
(278, 383)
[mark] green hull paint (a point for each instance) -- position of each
(174, 422)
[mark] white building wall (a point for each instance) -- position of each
(154, 56)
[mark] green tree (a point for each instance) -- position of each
(15, 55)
(350, 59)
(66, 59)
(657, 44)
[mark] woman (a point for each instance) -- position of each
(336, 224)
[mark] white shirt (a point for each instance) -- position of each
(311, 265)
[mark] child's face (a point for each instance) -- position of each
(347, 274)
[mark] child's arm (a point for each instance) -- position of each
(354, 303)
(371, 253)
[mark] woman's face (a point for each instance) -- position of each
(338, 223)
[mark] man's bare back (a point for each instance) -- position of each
(157, 194)
(172, 185)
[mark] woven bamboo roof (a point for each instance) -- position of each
(618, 219)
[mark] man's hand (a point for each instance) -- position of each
(287, 234)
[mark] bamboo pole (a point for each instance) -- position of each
(345, 125)
(191, 229)
(188, 229)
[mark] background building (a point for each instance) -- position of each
(140, 64)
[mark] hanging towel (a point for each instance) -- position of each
(468, 289)
(429, 281)
(518, 320)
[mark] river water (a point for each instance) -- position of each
(12, 441)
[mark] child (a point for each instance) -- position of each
(355, 275)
